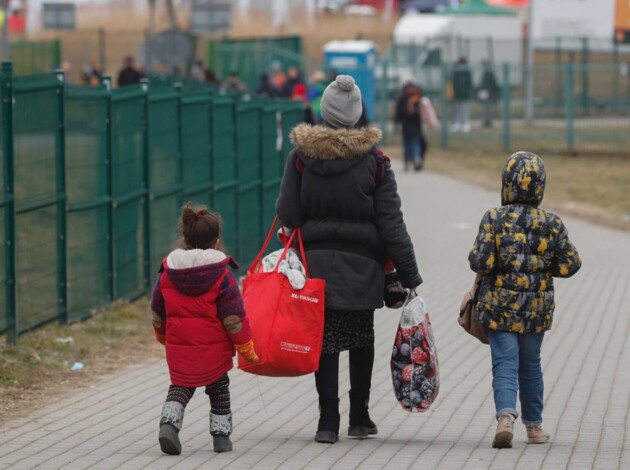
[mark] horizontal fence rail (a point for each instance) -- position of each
(93, 179)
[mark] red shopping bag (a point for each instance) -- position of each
(287, 324)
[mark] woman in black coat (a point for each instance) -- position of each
(343, 195)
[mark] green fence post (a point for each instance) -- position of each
(144, 84)
(617, 104)
(569, 106)
(107, 83)
(60, 152)
(505, 95)
(384, 100)
(444, 108)
(585, 75)
(180, 144)
(56, 53)
(6, 200)
(558, 75)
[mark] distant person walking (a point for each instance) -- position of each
(200, 318)
(462, 94)
(128, 74)
(488, 93)
(518, 251)
(409, 116)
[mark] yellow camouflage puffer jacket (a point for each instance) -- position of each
(520, 248)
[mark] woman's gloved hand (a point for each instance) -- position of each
(247, 351)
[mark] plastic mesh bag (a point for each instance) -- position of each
(414, 362)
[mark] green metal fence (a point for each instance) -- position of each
(30, 57)
(250, 57)
(93, 181)
(574, 107)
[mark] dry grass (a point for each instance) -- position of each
(591, 187)
(33, 373)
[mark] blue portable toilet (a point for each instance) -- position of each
(357, 59)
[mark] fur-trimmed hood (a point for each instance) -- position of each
(325, 143)
(325, 150)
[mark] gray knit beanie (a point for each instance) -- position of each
(341, 102)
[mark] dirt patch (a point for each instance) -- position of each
(38, 370)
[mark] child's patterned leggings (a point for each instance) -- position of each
(219, 393)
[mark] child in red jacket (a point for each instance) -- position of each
(200, 318)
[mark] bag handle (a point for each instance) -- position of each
(256, 261)
(303, 253)
(297, 232)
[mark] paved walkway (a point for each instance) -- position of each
(586, 363)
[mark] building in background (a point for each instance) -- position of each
(622, 21)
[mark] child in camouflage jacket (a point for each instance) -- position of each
(519, 249)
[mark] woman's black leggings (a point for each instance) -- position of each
(219, 393)
(361, 365)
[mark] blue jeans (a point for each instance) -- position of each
(516, 367)
(412, 149)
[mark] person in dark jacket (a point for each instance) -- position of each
(350, 221)
(409, 116)
(462, 94)
(518, 251)
(129, 75)
(488, 93)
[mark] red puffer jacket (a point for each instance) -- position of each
(194, 294)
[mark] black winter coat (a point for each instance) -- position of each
(351, 220)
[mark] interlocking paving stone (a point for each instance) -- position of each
(113, 423)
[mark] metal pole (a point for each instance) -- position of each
(6, 82)
(570, 106)
(444, 107)
(529, 69)
(384, 96)
(505, 89)
(6, 54)
(61, 202)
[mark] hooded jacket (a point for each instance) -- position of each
(350, 219)
(194, 293)
(520, 248)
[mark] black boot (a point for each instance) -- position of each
(328, 425)
(360, 423)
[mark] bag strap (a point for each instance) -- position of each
(257, 260)
(296, 233)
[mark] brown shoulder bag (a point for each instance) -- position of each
(468, 319)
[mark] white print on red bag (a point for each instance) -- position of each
(304, 297)
(300, 348)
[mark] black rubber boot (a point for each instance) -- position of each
(360, 423)
(328, 425)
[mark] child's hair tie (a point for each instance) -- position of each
(198, 215)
